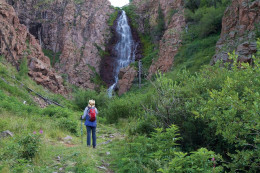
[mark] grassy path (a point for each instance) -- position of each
(72, 156)
(58, 155)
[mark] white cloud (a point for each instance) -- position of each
(119, 3)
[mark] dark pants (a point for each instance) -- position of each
(93, 129)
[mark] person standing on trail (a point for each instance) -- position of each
(91, 122)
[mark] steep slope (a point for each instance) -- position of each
(16, 44)
(78, 30)
(47, 139)
(240, 28)
(170, 36)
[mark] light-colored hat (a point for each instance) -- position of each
(91, 103)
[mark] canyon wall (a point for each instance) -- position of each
(77, 30)
(174, 20)
(240, 28)
(17, 43)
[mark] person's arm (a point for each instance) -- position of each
(85, 113)
(96, 111)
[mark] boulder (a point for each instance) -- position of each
(5, 134)
(126, 77)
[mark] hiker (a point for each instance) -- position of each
(91, 122)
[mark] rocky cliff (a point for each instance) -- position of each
(240, 28)
(174, 21)
(17, 43)
(75, 29)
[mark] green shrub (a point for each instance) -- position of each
(81, 98)
(205, 22)
(130, 105)
(199, 161)
(216, 108)
(30, 145)
(55, 111)
(234, 112)
(69, 125)
(143, 154)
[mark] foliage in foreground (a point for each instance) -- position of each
(216, 110)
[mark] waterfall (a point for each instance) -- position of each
(125, 48)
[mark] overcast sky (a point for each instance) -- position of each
(119, 3)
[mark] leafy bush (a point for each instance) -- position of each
(30, 145)
(160, 152)
(193, 5)
(216, 108)
(198, 161)
(69, 125)
(234, 112)
(143, 154)
(205, 21)
(81, 98)
(55, 111)
(130, 105)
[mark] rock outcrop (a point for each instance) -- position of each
(173, 12)
(126, 77)
(76, 29)
(239, 25)
(17, 43)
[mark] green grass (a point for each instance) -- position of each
(56, 123)
(150, 51)
(193, 55)
(75, 157)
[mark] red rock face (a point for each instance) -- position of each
(126, 77)
(170, 42)
(14, 36)
(74, 29)
(238, 31)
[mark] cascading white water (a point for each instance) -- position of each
(125, 48)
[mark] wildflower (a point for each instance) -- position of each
(41, 131)
(213, 159)
(34, 132)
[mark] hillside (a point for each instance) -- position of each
(46, 139)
